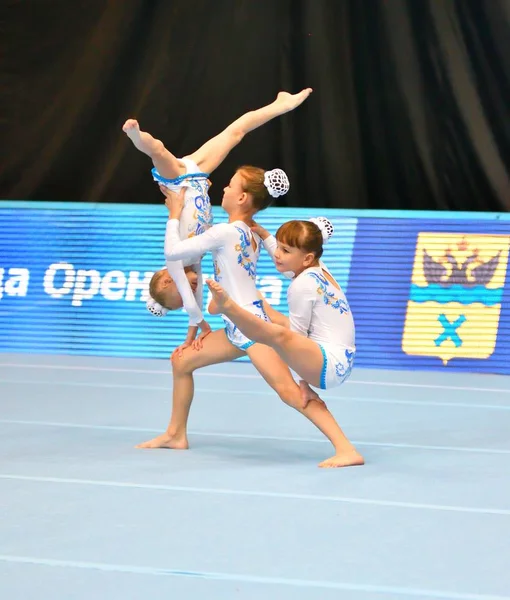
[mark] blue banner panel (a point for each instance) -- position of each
(432, 293)
(74, 277)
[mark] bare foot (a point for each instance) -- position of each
(291, 101)
(166, 441)
(213, 308)
(144, 142)
(307, 394)
(132, 130)
(344, 459)
(220, 298)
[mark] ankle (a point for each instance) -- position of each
(345, 448)
(176, 432)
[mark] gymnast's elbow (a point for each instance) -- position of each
(171, 256)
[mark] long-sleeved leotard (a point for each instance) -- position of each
(235, 261)
(196, 218)
(319, 310)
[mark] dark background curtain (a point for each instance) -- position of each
(411, 108)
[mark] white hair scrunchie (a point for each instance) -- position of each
(155, 308)
(276, 182)
(326, 227)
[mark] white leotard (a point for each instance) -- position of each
(235, 263)
(196, 218)
(196, 215)
(319, 310)
(235, 260)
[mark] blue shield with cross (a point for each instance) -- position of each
(455, 297)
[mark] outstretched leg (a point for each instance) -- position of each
(303, 355)
(166, 163)
(211, 154)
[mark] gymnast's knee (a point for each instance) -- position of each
(181, 363)
(282, 337)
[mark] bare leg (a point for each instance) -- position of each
(253, 328)
(278, 376)
(166, 163)
(216, 349)
(209, 156)
(307, 394)
(301, 354)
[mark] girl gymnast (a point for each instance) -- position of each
(235, 251)
(180, 284)
(317, 340)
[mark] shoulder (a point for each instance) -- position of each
(241, 232)
(311, 277)
(306, 281)
(222, 230)
(226, 227)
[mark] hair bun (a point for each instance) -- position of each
(325, 226)
(155, 308)
(276, 182)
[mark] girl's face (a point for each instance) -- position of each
(173, 299)
(290, 258)
(233, 193)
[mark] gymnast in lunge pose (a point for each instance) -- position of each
(235, 250)
(180, 284)
(317, 339)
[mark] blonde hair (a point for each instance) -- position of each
(156, 290)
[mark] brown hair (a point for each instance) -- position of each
(253, 184)
(304, 235)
